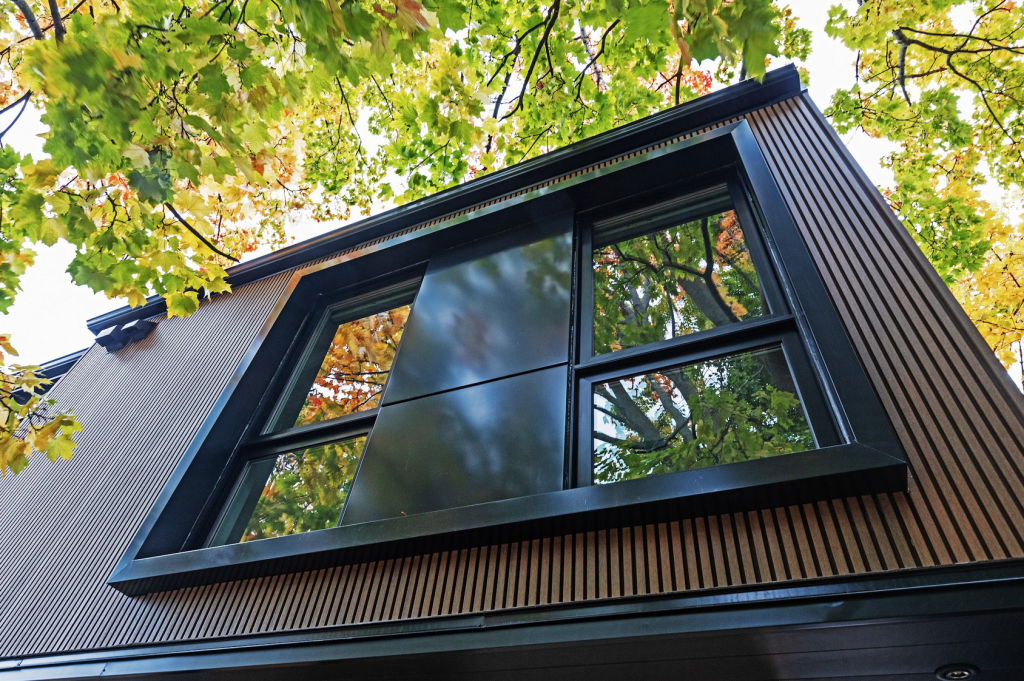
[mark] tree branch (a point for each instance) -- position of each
(549, 25)
(199, 236)
(902, 64)
(30, 18)
(585, 37)
(23, 100)
(58, 23)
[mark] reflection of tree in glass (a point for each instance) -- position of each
(687, 417)
(352, 375)
(691, 277)
(305, 491)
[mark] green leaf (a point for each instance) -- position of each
(27, 214)
(153, 186)
(646, 22)
(212, 81)
(51, 229)
(254, 75)
(183, 170)
(182, 304)
(201, 124)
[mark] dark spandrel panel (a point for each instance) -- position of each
(681, 278)
(355, 368)
(490, 309)
(305, 490)
(681, 418)
(487, 442)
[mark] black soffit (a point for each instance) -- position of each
(779, 84)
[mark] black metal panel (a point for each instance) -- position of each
(492, 308)
(488, 442)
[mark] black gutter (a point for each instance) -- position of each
(778, 85)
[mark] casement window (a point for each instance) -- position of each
(651, 336)
(298, 471)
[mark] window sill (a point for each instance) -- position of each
(829, 473)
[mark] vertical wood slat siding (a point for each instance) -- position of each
(63, 526)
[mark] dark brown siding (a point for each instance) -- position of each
(63, 526)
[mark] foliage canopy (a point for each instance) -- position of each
(184, 134)
(945, 82)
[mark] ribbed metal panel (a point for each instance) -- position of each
(63, 526)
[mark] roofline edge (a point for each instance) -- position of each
(779, 84)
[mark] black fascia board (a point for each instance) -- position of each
(56, 368)
(778, 85)
(53, 371)
(928, 594)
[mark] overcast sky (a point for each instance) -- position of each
(48, 318)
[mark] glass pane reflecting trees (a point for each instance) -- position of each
(685, 417)
(355, 368)
(305, 490)
(687, 277)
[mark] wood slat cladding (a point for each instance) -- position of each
(66, 525)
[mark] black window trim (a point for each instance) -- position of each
(639, 215)
(869, 461)
(275, 437)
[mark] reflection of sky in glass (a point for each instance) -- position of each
(685, 417)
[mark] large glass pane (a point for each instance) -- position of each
(356, 366)
(305, 491)
(687, 277)
(685, 417)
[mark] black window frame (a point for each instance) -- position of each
(868, 458)
(690, 198)
(287, 396)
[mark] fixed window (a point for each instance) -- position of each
(297, 474)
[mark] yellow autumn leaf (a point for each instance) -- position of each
(40, 175)
(191, 203)
(5, 343)
(123, 60)
(138, 156)
(135, 298)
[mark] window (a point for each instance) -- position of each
(691, 354)
(298, 473)
(705, 370)
(673, 271)
(688, 416)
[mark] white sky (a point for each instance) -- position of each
(48, 318)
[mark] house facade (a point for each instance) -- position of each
(683, 399)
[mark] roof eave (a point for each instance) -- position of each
(780, 84)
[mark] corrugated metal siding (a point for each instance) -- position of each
(64, 526)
